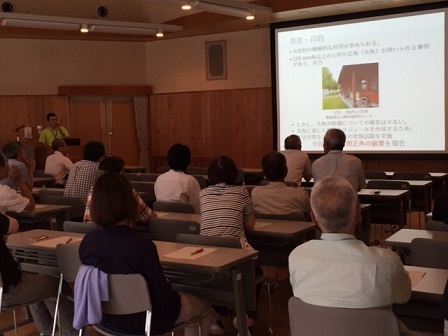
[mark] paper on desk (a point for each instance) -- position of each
(160, 215)
(259, 225)
(416, 276)
(185, 253)
(40, 206)
(53, 242)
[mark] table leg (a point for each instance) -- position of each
(240, 307)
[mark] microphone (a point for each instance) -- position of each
(19, 128)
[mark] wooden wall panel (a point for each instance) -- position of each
(30, 111)
(236, 123)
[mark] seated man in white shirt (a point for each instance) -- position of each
(175, 185)
(10, 199)
(338, 270)
(276, 198)
(58, 164)
(298, 162)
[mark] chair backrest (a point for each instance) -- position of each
(131, 176)
(197, 170)
(240, 177)
(201, 180)
(195, 239)
(295, 216)
(68, 260)
(148, 188)
(162, 169)
(433, 225)
(149, 177)
(381, 184)
(375, 175)
(77, 204)
(310, 320)
(411, 176)
(429, 253)
(46, 192)
(78, 227)
(41, 173)
(168, 229)
(173, 207)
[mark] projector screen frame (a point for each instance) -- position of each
(338, 19)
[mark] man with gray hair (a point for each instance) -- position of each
(298, 162)
(334, 162)
(338, 270)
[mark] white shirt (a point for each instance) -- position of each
(176, 186)
(340, 271)
(10, 200)
(299, 165)
(58, 165)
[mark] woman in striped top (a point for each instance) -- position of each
(226, 209)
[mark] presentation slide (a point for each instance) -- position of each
(382, 80)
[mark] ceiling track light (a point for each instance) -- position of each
(225, 7)
(84, 28)
(159, 33)
(83, 25)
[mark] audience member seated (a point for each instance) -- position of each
(58, 164)
(10, 199)
(276, 197)
(335, 162)
(175, 185)
(338, 270)
(439, 221)
(115, 164)
(85, 172)
(16, 156)
(298, 162)
(226, 209)
(20, 288)
(115, 248)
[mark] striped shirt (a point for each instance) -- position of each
(223, 209)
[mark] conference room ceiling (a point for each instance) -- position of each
(164, 12)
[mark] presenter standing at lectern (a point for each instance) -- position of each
(53, 131)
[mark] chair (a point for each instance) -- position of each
(418, 197)
(418, 176)
(172, 207)
(162, 169)
(429, 253)
(148, 177)
(381, 213)
(375, 175)
(41, 173)
(148, 189)
(67, 257)
(131, 176)
(240, 177)
(13, 309)
(78, 227)
(76, 213)
(168, 229)
(197, 170)
(225, 242)
(311, 320)
(128, 294)
(46, 192)
(433, 225)
(201, 180)
(294, 216)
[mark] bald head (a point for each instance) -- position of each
(334, 139)
(334, 205)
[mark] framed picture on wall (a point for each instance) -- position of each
(216, 57)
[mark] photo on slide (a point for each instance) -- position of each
(350, 86)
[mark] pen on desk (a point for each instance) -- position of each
(69, 240)
(197, 251)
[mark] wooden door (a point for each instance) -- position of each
(109, 119)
